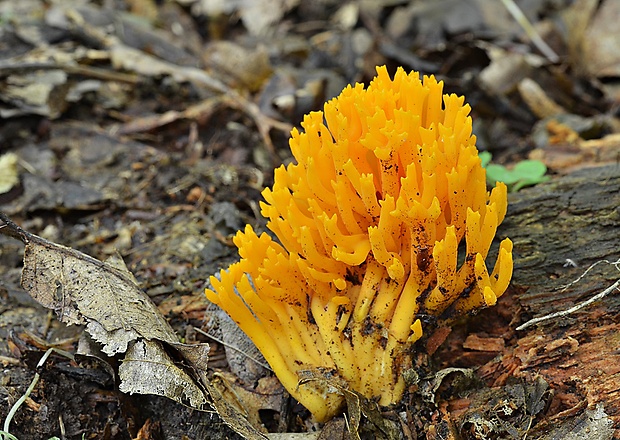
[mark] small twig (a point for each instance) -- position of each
(597, 297)
(592, 266)
(61, 424)
(520, 18)
(12, 230)
(17, 67)
(9, 360)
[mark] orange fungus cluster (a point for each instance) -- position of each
(386, 185)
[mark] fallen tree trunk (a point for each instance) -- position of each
(559, 230)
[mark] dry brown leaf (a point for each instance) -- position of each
(9, 175)
(258, 16)
(267, 395)
(107, 299)
(601, 41)
(146, 360)
(568, 152)
(105, 296)
(537, 99)
(243, 358)
(239, 66)
(127, 58)
(576, 19)
(593, 424)
(84, 290)
(505, 71)
(231, 416)
(40, 93)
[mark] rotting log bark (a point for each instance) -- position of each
(572, 220)
(575, 219)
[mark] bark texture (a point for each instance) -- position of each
(575, 219)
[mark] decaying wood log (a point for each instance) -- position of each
(566, 371)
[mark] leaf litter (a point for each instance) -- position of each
(105, 297)
(173, 120)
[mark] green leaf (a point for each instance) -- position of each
(530, 169)
(485, 158)
(528, 182)
(524, 173)
(499, 173)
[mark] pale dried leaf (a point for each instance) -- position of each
(463, 377)
(267, 395)
(600, 53)
(244, 359)
(259, 16)
(9, 176)
(231, 415)
(117, 314)
(83, 290)
(238, 65)
(146, 360)
(576, 19)
(41, 93)
(507, 68)
(134, 60)
(537, 99)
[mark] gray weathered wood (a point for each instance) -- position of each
(572, 219)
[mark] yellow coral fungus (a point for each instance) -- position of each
(387, 183)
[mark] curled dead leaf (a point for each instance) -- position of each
(117, 313)
(146, 360)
